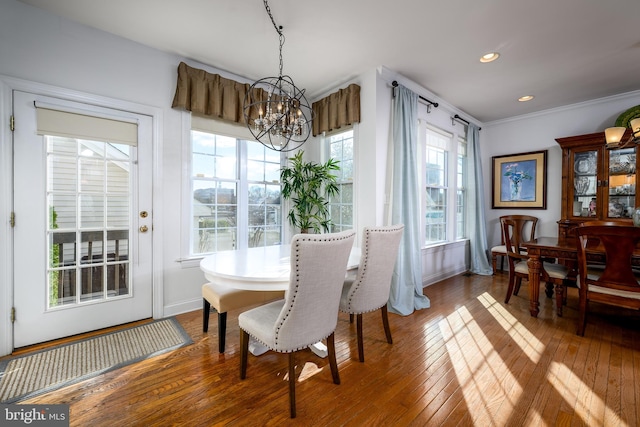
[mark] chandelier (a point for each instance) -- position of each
(276, 112)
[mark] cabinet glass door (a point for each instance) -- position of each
(585, 183)
(622, 183)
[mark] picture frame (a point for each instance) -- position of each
(519, 181)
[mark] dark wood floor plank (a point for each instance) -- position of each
(470, 359)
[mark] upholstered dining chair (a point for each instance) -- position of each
(309, 312)
(614, 282)
(369, 290)
(513, 230)
(224, 298)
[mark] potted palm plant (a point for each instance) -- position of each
(309, 186)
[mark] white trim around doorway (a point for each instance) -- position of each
(7, 85)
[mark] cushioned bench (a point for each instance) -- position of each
(224, 298)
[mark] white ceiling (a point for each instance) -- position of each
(560, 51)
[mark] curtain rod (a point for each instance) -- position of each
(435, 104)
(460, 119)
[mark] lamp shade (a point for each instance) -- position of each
(614, 135)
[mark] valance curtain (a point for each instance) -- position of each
(212, 95)
(406, 285)
(341, 108)
(474, 212)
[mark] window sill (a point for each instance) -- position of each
(435, 246)
(189, 262)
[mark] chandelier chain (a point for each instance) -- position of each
(278, 29)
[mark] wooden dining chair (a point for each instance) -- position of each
(309, 312)
(614, 282)
(498, 251)
(369, 291)
(514, 233)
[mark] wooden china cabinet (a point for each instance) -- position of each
(597, 183)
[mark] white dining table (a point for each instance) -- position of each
(257, 269)
(261, 269)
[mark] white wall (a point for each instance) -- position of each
(36, 46)
(537, 132)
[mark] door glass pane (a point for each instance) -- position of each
(89, 202)
(117, 262)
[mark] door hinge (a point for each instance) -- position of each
(12, 219)
(13, 314)
(12, 123)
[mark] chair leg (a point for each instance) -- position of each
(350, 318)
(516, 289)
(548, 289)
(360, 339)
(244, 351)
(206, 308)
(494, 259)
(385, 323)
(331, 350)
(512, 280)
(292, 384)
(582, 315)
(559, 298)
(222, 330)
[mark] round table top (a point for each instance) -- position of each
(265, 268)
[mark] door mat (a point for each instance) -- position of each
(53, 368)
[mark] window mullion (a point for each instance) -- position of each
(243, 197)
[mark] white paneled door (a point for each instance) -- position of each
(83, 223)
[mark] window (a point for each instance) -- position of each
(445, 197)
(436, 176)
(340, 147)
(235, 185)
(461, 194)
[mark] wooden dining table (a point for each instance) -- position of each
(563, 249)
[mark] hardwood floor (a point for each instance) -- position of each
(468, 360)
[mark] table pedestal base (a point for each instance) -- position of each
(257, 349)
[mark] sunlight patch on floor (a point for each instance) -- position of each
(476, 363)
(560, 375)
(528, 343)
(308, 370)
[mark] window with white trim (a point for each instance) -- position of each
(235, 188)
(340, 147)
(445, 196)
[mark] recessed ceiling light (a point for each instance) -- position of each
(525, 98)
(489, 57)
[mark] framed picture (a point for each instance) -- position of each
(520, 181)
